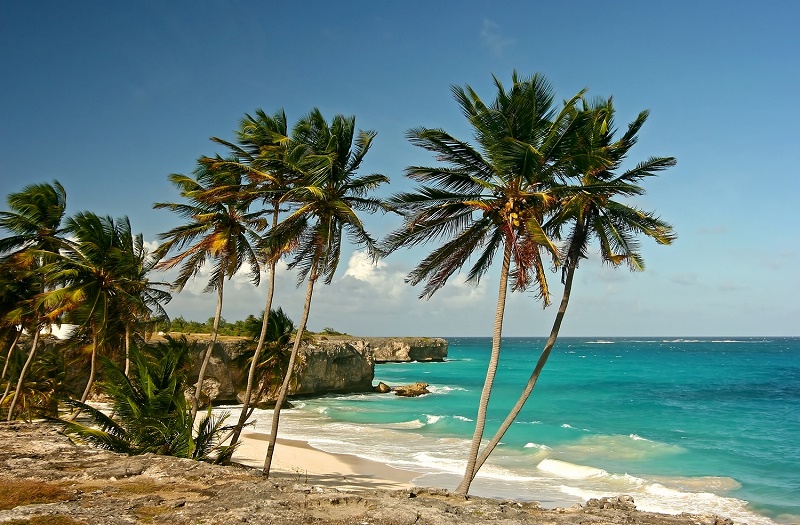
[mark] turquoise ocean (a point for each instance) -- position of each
(682, 425)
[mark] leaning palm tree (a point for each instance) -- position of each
(489, 199)
(220, 229)
(326, 201)
(34, 225)
(587, 209)
(268, 158)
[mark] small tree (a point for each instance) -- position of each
(150, 409)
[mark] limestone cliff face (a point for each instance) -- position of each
(331, 366)
(322, 367)
(404, 349)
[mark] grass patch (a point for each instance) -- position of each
(148, 513)
(14, 493)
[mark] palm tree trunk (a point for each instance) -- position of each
(276, 414)
(6, 365)
(480, 421)
(8, 358)
(23, 372)
(127, 350)
(92, 368)
(202, 374)
(548, 347)
(251, 374)
(254, 364)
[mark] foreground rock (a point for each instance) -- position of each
(44, 477)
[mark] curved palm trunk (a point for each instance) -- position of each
(92, 369)
(8, 358)
(526, 392)
(480, 421)
(254, 364)
(22, 374)
(207, 357)
(127, 350)
(251, 374)
(276, 414)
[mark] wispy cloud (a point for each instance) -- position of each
(494, 39)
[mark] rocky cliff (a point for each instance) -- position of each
(322, 367)
(328, 365)
(400, 349)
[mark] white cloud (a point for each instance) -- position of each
(494, 39)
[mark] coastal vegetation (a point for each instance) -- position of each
(541, 183)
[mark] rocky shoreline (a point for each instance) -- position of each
(45, 478)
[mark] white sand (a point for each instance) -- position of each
(298, 460)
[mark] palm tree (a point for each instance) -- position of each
(34, 224)
(150, 409)
(220, 228)
(93, 272)
(140, 300)
(493, 198)
(267, 156)
(326, 201)
(587, 208)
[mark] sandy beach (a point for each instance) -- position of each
(297, 460)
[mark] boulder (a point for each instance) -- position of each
(383, 388)
(413, 390)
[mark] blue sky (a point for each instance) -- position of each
(109, 99)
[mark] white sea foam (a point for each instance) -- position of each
(431, 419)
(653, 497)
(570, 470)
(538, 446)
(600, 342)
(444, 389)
(463, 418)
(566, 425)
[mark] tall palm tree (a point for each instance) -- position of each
(268, 158)
(488, 199)
(141, 300)
(326, 201)
(220, 229)
(34, 225)
(587, 209)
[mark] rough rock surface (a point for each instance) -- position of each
(414, 390)
(404, 349)
(330, 366)
(324, 367)
(91, 486)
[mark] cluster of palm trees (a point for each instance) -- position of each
(85, 270)
(541, 183)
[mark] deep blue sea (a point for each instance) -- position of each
(692, 425)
